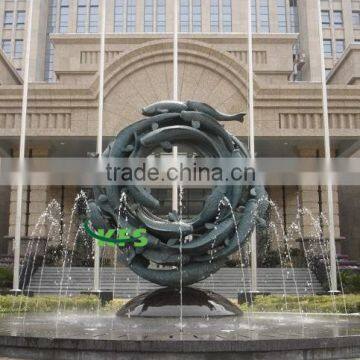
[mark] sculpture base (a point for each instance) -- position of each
(166, 303)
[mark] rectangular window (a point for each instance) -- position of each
(281, 13)
(131, 16)
(264, 16)
(196, 16)
(18, 52)
(254, 16)
(119, 16)
(20, 19)
(160, 16)
(6, 46)
(49, 63)
(64, 16)
(214, 16)
(52, 17)
(294, 17)
(184, 15)
(338, 19)
(328, 48)
(8, 19)
(148, 16)
(49, 53)
(340, 47)
(325, 18)
(226, 16)
(94, 16)
(356, 18)
(327, 72)
(81, 16)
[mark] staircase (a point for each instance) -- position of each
(227, 281)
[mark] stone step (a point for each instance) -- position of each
(227, 281)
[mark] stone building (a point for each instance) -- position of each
(64, 83)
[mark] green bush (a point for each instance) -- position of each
(6, 278)
(350, 281)
(16, 304)
(307, 304)
(115, 305)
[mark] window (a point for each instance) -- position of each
(338, 19)
(264, 16)
(81, 16)
(119, 16)
(160, 16)
(20, 19)
(196, 16)
(131, 16)
(18, 53)
(356, 18)
(214, 16)
(281, 13)
(49, 52)
(327, 72)
(64, 16)
(328, 48)
(253, 16)
(8, 19)
(325, 18)
(340, 47)
(184, 15)
(294, 17)
(49, 63)
(6, 46)
(226, 16)
(148, 16)
(52, 17)
(94, 16)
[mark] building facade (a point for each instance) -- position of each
(64, 83)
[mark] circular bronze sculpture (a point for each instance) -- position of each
(216, 235)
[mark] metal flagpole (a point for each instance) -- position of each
(175, 53)
(19, 197)
(333, 277)
(252, 140)
(99, 145)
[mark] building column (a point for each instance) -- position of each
(347, 20)
(35, 201)
(38, 39)
(314, 199)
(309, 24)
(273, 17)
(276, 195)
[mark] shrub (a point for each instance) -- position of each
(6, 278)
(115, 305)
(308, 304)
(20, 304)
(350, 281)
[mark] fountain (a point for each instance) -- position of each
(180, 320)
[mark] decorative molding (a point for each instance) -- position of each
(308, 121)
(92, 57)
(259, 56)
(61, 121)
